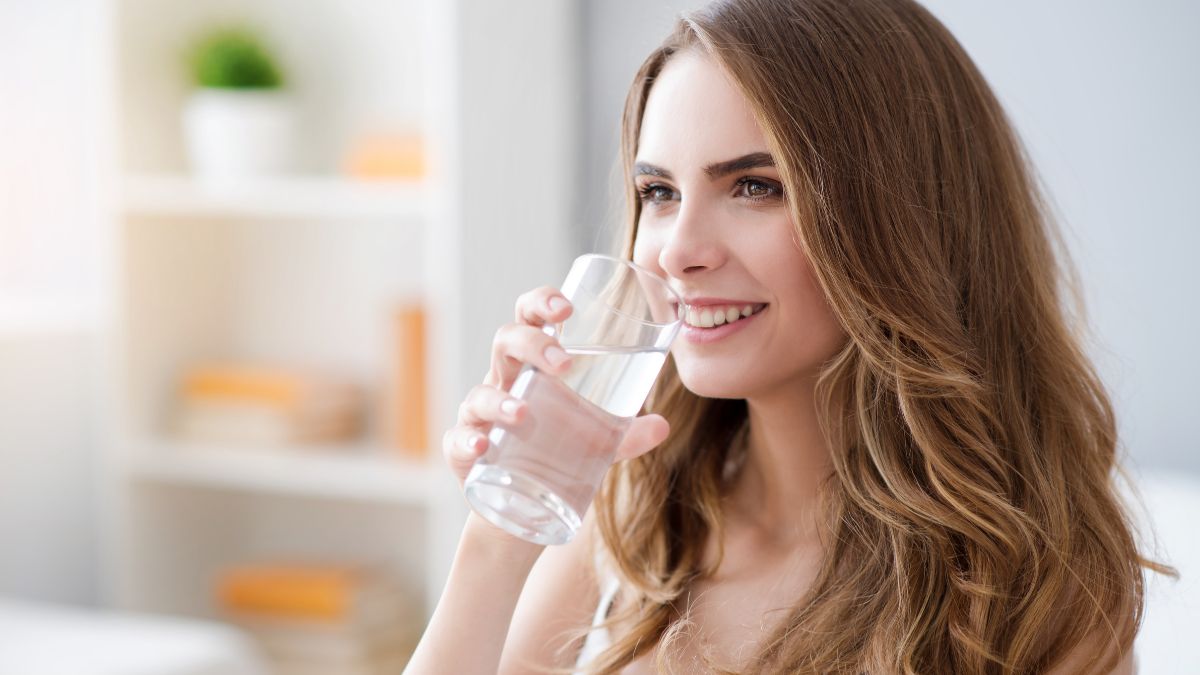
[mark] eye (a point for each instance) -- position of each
(757, 189)
(656, 193)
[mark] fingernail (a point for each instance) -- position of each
(556, 356)
(557, 304)
(478, 442)
(509, 406)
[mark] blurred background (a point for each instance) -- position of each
(253, 254)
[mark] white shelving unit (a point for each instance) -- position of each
(352, 473)
(304, 270)
(301, 197)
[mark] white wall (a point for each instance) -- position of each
(48, 548)
(49, 236)
(1107, 97)
(617, 36)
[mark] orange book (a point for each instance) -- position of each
(323, 599)
(386, 156)
(264, 404)
(314, 592)
(409, 400)
(279, 387)
(262, 385)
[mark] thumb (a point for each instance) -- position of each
(644, 434)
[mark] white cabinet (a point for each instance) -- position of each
(306, 269)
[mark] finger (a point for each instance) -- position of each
(645, 433)
(542, 305)
(461, 446)
(515, 345)
(485, 405)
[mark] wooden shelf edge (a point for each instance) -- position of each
(300, 196)
(355, 472)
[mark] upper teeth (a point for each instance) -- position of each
(715, 315)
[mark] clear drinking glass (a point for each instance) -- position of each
(538, 477)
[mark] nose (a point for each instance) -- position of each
(692, 244)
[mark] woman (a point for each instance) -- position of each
(903, 463)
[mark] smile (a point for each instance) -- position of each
(700, 325)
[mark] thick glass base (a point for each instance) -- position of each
(520, 505)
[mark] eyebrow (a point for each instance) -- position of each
(754, 160)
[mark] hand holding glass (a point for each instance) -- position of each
(538, 476)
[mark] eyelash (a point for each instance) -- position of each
(646, 192)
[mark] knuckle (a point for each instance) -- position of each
(454, 442)
(525, 302)
(548, 341)
(479, 396)
(504, 334)
(448, 450)
(513, 336)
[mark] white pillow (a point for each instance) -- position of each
(52, 639)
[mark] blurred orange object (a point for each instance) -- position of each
(310, 592)
(387, 156)
(325, 592)
(409, 399)
(264, 385)
(268, 405)
(317, 618)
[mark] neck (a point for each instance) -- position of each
(787, 458)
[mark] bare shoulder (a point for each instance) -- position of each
(559, 598)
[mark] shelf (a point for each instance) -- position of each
(355, 472)
(305, 268)
(301, 196)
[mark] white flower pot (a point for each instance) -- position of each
(235, 134)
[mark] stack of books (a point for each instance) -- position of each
(266, 406)
(326, 619)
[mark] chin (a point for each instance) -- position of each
(714, 381)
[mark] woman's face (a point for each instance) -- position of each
(715, 224)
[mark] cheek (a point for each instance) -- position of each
(811, 332)
(825, 333)
(645, 253)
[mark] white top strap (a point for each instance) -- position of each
(598, 638)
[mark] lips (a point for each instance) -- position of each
(701, 301)
(698, 335)
(715, 315)
(705, 300)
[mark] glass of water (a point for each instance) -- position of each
(538, 477)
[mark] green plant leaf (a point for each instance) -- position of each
(234, 58)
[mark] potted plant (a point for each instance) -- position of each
(239, 121)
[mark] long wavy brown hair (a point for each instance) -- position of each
(972, 517)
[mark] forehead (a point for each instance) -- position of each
(695, 115)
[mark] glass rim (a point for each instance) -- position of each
(641, 270)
